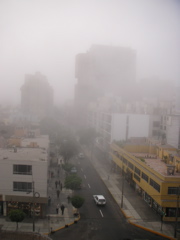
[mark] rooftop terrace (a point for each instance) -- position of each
(155, 163)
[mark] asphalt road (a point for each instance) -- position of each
(100, 222)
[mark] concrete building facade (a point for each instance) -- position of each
(36, 96)
(23, 171)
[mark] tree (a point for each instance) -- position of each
(68, 148)
(17, 216)
(77, 201)
(73, 182)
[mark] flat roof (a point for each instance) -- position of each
(157, 164)
(42, 141)
(23, 154)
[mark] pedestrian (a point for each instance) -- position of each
(58, 192)
(62, 209)
(57, 208)
(59, 183)
(61, 186)
(56, 183)
(49, 201)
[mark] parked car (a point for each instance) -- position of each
(99, 199)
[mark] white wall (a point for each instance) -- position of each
(138, 126)
(172, 131)
(118, 127)
(39, 170)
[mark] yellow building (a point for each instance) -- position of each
(154, 172)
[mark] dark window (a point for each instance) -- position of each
(173, 190)
(136, 177)
(145, 177)
(22, 169)
(137, 171)
(22, 186)
(124, 160)
(155, 185)
(130, 165)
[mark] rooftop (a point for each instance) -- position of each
(155, 163)
(25, 154)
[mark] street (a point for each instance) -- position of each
(99, 222)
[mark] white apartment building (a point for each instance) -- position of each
(23, 171)
(123, 126)
(173, 130)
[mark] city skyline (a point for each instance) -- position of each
(46, 36)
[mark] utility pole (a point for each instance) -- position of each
(177, 212)
(33, 205)
(122, 187)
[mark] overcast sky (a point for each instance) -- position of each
(45, 36)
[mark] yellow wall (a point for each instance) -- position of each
(163, 181)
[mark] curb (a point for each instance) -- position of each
(150, 230)
(65, 226)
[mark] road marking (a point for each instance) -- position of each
(101, 213)
(89, 185)
(85, 176)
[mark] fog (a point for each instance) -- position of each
(46, 35)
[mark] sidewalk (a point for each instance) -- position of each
(134, 208)
(53, 221)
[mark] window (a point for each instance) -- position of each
(22, 169)
(137, 171)
(22, 186)
(145, 177)
(173, 190)
(155, 185)
(130, 165)
(136, 177)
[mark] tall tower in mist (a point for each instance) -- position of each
(102, 70)
(36, 96)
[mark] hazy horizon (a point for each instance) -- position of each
(45, 36)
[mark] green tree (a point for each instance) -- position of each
(73, 182)
(68, 148)
(77, 201)
(17, 216)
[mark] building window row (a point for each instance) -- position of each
(145, 177)
(137, 177)
(155, 185)
(173, 190)
(137, 171)
(22, 169)
(22, 186)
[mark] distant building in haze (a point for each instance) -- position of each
(36, 96)
(103, 69)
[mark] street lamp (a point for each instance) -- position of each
(122, 187)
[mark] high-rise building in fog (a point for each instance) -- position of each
(104, 69)
(36, 96)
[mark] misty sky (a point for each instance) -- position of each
(45, 36)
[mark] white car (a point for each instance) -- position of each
(99, 199)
